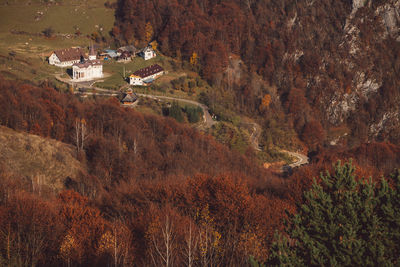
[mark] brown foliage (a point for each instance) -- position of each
(84, 226)
(144, 178)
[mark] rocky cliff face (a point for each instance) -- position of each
(368, 55)
(389, 13)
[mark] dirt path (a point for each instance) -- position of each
(254, 140)
(301, 158)
(208, 121)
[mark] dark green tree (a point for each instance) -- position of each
(175, 112)
(48, 32)
(193, 113)
(344, 221)
(389, 196)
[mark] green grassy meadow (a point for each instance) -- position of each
(64, 17)
(23, 48)
(115, 70)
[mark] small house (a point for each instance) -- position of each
(129, 98)
(66, 57)
(130, 49)
(146, 75)
(147, 53)
(125, 56)
(111, 53)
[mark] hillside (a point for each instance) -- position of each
(41, 163)
(140, 168)
(23, 45)
(120, 144)
(86, 181)
(64, 17)
(330, 67)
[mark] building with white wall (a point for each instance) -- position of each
(86, 71)
(66, 57)
(148, 53)
(146, 75)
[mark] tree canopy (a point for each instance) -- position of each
(344, 221)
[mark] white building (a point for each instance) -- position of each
(146, 75)
(135, 80)
(66, 57)
(147, 53)
(86, 71)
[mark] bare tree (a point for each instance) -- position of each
(162, 248)
(81, 134)
(191, 245)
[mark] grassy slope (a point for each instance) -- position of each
(30, 156)
(115, 70)
(62, 17)
(31, 49)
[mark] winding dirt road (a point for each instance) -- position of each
(301, 158)
(208, 121)
(254, 140)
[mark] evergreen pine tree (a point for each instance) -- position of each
(175, 112)
(343, 222)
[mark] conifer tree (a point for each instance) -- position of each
(176, 112)
(344, 221)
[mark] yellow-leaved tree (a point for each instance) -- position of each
(193, 59)
(209, 239)
(149, 32)
(68, 248)
(154, 45)
(265, 102)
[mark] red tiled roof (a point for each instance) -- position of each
(153, 69)
(69, 54)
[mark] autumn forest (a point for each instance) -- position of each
(318, 77)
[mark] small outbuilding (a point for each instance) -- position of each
(129, 98)
(111, 53)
